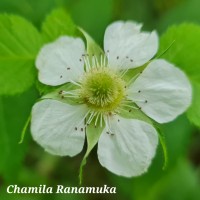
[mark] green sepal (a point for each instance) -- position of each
(25, 129)
(92, 47)
(93, 134)
(136, 113)
(55, 94)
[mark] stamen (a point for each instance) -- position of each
(101, 116)
(97, 62)
(140, 101)
(107, 122)
(129, 106)
(92, 114)
(93, 61)
(88, 60)
(124, 72)
(75, 83)
(96, 120)
(107, 54)
(101, 58)
(87, 64)
(104, 61)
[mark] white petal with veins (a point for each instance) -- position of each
(129, 47)
(58, 127)
(165, 88)
(59, 62)
(130, 150)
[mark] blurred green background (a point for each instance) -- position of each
(28, 165)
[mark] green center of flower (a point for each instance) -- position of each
(102, 89)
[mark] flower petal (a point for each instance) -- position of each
(127, 46)
(58, 127)
(162, 91)
(130, 150)
(59, 62)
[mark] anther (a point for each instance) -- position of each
(68, 68)
(82, 129)
(140, 108)
(118, 120)
(80, 60)
(107, 51)
(146, 101)
(127, 57)
(107, 132)
(61, 76)
(76, 128)
(131, 60)
(60, 92)
(62, 97)
(139, 91)
(112, 134)
(130, 110)
(117, 57)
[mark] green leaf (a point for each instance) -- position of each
(194, 111)
(57, 24)
(184, 53)
(180, 183)
(92, 133)
(19, 45)
(14, 111)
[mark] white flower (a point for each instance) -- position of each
(126, 146)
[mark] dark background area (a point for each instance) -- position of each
(28, 165)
